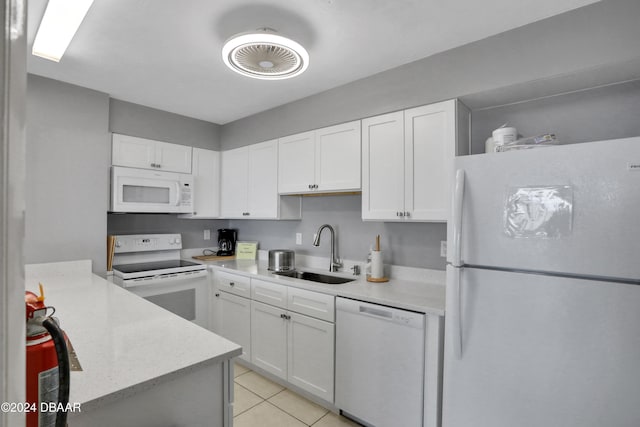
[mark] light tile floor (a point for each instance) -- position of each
(260, 402)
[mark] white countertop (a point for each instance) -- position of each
(426, 295)
(124, 343)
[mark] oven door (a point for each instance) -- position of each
(141, 190)
(184, 294)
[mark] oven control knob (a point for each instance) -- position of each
(118, 243)
(176, 240)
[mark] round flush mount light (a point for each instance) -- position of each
(263, 54)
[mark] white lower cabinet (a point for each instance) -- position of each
(292, 335)
(294, 347)
(286, 331)
(269, 338)
(310, 364)
(234, 321)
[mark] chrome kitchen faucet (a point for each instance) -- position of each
(334, 262)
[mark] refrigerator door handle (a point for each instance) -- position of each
(458, 198)
(454, 314)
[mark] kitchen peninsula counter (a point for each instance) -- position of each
(141, 365)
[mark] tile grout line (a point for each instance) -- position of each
(287, 412)
(291, 415)
(251, 407)
(272, 404)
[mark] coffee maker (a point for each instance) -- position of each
(227, 241)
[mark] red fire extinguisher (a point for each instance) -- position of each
(47, 365)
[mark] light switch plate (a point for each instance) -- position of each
(298, 238)
(207, 235)
(443, 248)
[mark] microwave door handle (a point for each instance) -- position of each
(178, 195)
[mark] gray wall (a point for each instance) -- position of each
(408, 244)
(137, 120)
(602, 113)
(602, 33)
(68, 159)
(68, 152)
(192, 230)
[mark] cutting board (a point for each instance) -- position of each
(214, 257)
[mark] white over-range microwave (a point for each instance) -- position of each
(142, 190)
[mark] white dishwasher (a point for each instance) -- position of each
(379, 363)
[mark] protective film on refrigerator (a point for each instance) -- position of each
(544, 212)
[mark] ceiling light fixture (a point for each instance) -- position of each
(58, 26)
(262, 54)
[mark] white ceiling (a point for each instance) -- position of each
(165, 54)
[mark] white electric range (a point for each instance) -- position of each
(149, 265)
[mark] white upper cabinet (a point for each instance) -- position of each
(135, 152)
(206, 179)
(234, 182)
(323, 160)
(262, 186)
(296, 163)
(337, 157)
(407, 160)
(383, 166)
(250, 184)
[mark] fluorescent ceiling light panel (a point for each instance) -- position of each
(58, 26)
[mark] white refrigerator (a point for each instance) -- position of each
(543, 288)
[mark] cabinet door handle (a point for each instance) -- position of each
(310, 186)
(283, 316)
(315, 186)
(232, 284)
(218, 295)
(407, 214)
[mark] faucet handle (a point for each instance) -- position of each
(356, 270)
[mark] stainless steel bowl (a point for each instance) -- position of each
(282, 260)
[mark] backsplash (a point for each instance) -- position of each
(405, 244)
(192, 230)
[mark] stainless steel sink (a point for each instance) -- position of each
(315, 277)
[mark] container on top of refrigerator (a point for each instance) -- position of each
(543, 140)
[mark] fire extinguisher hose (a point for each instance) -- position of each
(64, 377)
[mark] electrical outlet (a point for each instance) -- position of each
(443, 248)
(298, 238)
(207, 235)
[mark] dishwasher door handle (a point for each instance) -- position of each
(376, 311)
